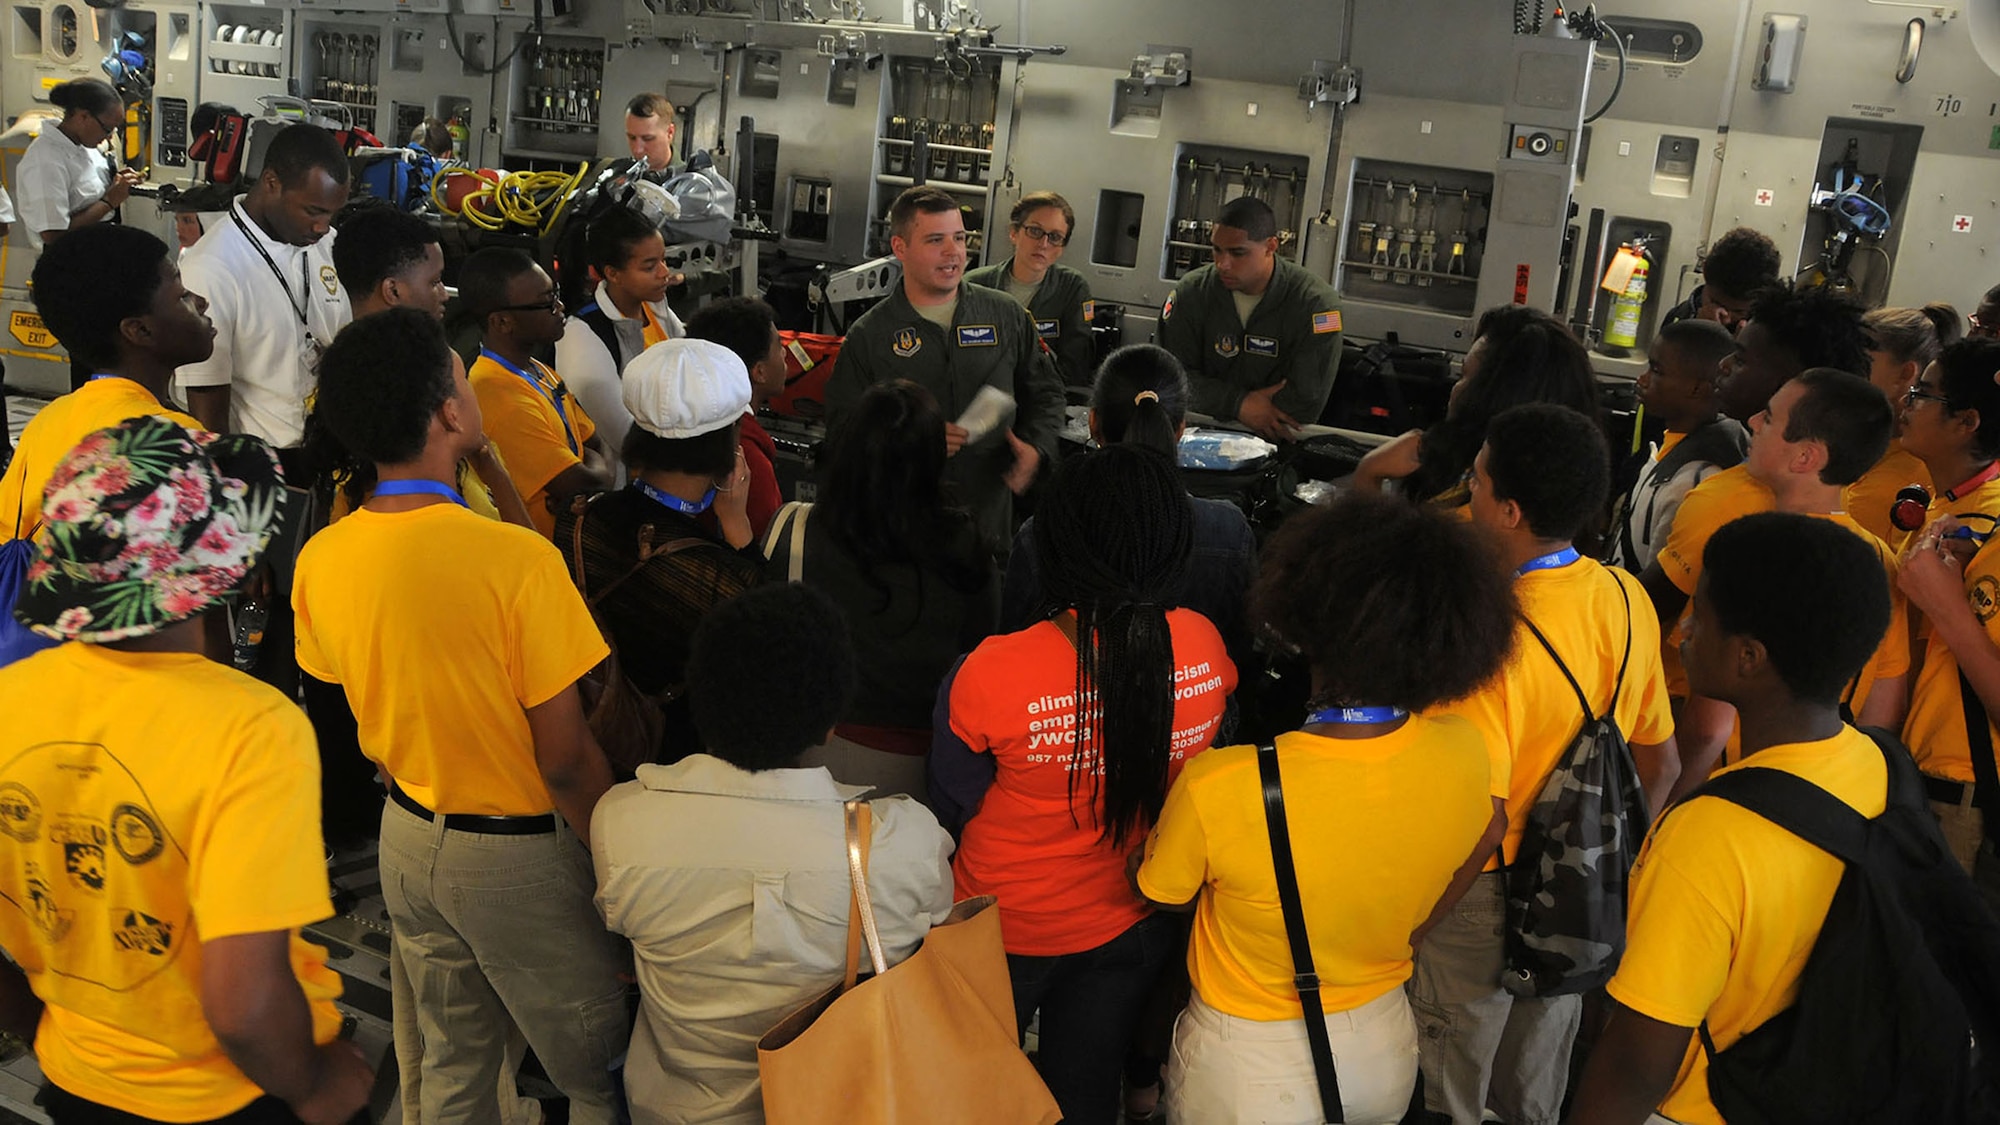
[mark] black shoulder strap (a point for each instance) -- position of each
(1795, 805)
(594, 316)
(1303, 976)
(1979, 741)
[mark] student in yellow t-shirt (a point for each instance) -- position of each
(1902, 343)
(459, 642)
(1678, 387)
(1951, 574)
(1725, 905)
(547, 440)
(1398, 609)
(1820, 431)
(113, 296)
(391, 259)
(1538, 480)
(1789, 330)
(159, 812)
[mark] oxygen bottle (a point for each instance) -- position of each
(1623, 329)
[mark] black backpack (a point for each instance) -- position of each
(1566, 886)
(1902, 983)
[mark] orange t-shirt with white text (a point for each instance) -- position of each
(1062, 889)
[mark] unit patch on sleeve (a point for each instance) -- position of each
(978, 336)
(1048, 329)
(1167, 310)
(908, 343)
(1260, 345)
(1089, 311)
(1324, 322)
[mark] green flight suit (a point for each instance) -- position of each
(1062, 310)
(1293, 335)
(992, 341)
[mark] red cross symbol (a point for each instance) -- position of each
(1962, 224)
(1764, 198)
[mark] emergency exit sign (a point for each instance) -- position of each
(29, 329)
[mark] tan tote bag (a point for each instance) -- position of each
(930, 1040)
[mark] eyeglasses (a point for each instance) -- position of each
(1917, 392)
(1983, 327)
(112, 126)
(553, 303)
(1053, 238)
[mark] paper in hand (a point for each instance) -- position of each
(992, 410)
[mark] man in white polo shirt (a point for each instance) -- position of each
(267, 271)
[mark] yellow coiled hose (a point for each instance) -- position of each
(527, 199)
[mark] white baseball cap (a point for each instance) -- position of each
(685, 388)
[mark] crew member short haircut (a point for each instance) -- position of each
(381, 380)
(1966, 374)
(1553, 462)
(1250, 215)
(1740, 263)
(1778, 577)
(1820, 328)
(1038, 200)
(300, 149)
(925, 200)
(612, 235)
(1847, 414)
(485, 276)
(90, 95)
(1393, 604)
(1914, 335)
(1702, 343)
(768, 674)
(89, 281)
(651, 105)
(741, 324)
(378, 241)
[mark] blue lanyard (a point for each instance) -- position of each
(554, 396)
(1552, 561)
(419, 488)
(1356, 715)
(684, 507)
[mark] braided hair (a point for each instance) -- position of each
(1113, 538)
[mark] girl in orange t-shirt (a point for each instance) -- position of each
(1058, 747)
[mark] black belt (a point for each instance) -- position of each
(470, 822)
(1945, 790)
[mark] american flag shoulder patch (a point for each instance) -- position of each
(1324, 322)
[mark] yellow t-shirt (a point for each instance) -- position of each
(1729, 494)
(52, 433)
(182, 810)
(530, 433)
(653, 332)
(1530, 715)
(444, 628)
(1422, 787)
(1869, 499)
(1726, 907)
(478, 497)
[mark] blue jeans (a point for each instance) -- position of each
(1090, 1004)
